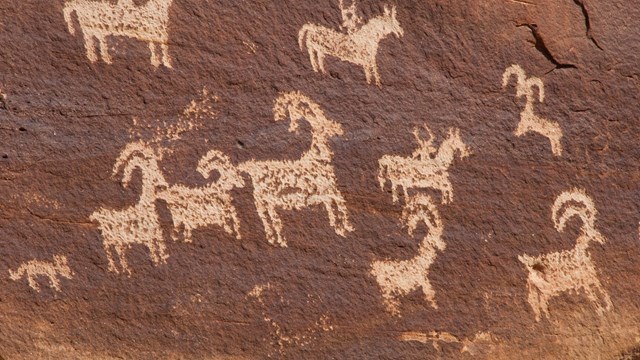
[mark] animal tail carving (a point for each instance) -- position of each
(302, 34)
(216, 160)
(575, 203)
(68, 10)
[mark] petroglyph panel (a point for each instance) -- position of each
(256, 179)
(357, 43)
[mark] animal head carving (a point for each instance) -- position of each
(298, 106)
(524, 85)
(456, 141)
(216, 160)
(575, 203)
(139, 155)
(392, 21)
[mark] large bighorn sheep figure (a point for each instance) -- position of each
(359, 46)
(530, 122)
(98, 20)
(52, 270)
(398, 278)
(301, 183)
(137, 224)
(569, 270)
(426, 168)
(192, 208)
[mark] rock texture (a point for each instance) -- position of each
(319, 179)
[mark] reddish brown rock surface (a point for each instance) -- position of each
(65, 120)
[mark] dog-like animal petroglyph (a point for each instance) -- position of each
(192, 208)
(529, 121)
(399, 278)
(297, 184)
(358, 46)
(102, 19)
(425, 168)
(52, 270)
(569, 270)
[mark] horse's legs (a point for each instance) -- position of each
(367, 73)
(154, 57)
(374, 70)
(55, 282)
(321, 62)
(166, 59)
(312, 56)
(90, 47)
(187, 233)
(112, 265)
(31, 279)
(344, 225)
(266, 219)
(277, 225)
(236, 224)
(104, 50)
(122, 257)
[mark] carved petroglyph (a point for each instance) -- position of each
(530, 122)
(137, 224)
(569, 270)
(310, 180)
(480, 343)
(192, 208)
(52, 270)
(351, 21)
(358, 46)
(102, 19)
(399, 278)
(426, 168)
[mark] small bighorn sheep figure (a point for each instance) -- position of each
(425, 168)
(101, 19)
(34, 268)
(530, 122)
(358, 46)
(399, 278)
(569, 270)
(192, 208)
(137, 224)
(297, 184)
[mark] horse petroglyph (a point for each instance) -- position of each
(301, 183)
(212, 204)
(137, 224)
(52, 270)
(530, 122)
(399, 278)
(425, 168)
(359, 45)
(569, 270)
(101, 19)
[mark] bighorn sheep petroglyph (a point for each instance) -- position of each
(399, 278)
(137, 224)
(568, 270)
(358, 46)
(192, 208)
(301, 183)
(34, 268)
(426, 168)
(101, 19)
(530, 122)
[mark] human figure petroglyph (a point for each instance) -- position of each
(297, 184)
(425, 168)
(358, 46)
(569, 270)
(137, 224)
(351, 21)
(52, 270)
(399, 278)
(530, 122)
(101, 19)
(192, 208)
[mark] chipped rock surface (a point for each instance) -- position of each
(319, 179)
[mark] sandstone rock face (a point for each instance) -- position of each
(319, 179)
